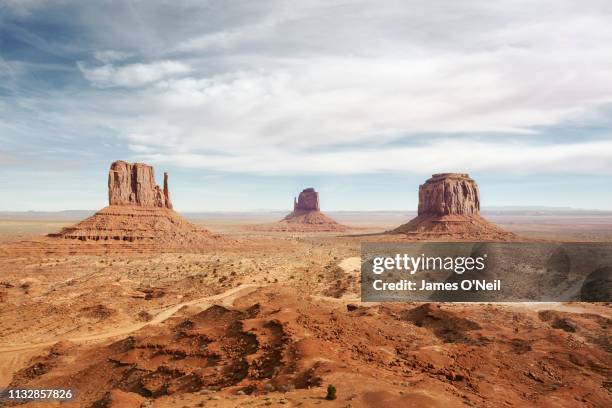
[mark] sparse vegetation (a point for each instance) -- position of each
(331, 393)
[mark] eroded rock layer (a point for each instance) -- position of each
(307, 200)
(449, 208)
(133, 184)
(300, 220)
(136, 224)
(449, 194)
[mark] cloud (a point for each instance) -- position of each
(22, 8)
(226, 39)
(108, 56)
(322, 86)
(327, 102)
(132, 75)
(442, 155)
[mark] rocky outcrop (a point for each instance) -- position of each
(307, 200)
(139, 211)
(119, 399)
(133, 184)
(449, 194)
(136, 224)
(449, 208)
(305, 217)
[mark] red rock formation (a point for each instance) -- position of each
(117, 398)
(449, 208)
(449, 194)
(308, 200)
(167, 192)
(305, 217)
(139, 211)
(136, 224)
(134, 184)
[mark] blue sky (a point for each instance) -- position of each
(245, 103)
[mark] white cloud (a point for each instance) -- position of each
(336, 76)
(320, 102)
(226, 39)
(440, 156)
(108, 56)
(263, 81)
(132, 75)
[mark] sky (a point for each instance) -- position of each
(245, 103)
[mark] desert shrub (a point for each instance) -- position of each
(331, 393)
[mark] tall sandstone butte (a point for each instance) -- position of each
(134, 184)
(138, 211)
(305, 217)
(449, 207)
(307, 200)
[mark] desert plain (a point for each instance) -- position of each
(258, 318)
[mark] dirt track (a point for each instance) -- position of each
(14, 357)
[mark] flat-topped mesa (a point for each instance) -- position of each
(449, 194)
(307, 200)
(133, 184)
(449, 209)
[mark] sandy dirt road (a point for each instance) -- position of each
(13, 357)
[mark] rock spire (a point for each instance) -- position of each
(133, 184)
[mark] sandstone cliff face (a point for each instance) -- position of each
(449, 209)
(308, 200)
(449, 194)
(133, 184)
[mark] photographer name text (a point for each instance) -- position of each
(423, 285)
